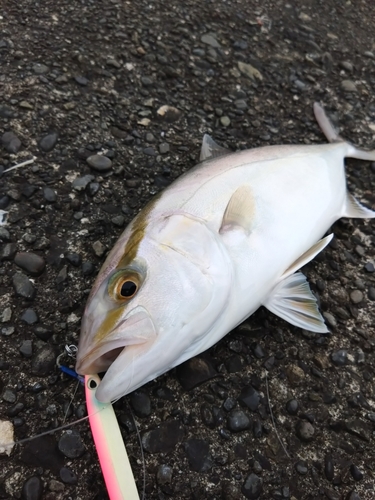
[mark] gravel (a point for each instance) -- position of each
(112, 107)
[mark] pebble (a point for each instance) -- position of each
(11, 142)
(249, 397)
(40, 69)
(43, 333)
(93, 188)
(87, 268)
(23, 286)
(305, 431)
(330, 319)
(369, 267)
(70, 444)
(99, 248)
(164, 474)
(149, 151)
(194, 372)
(352, 495)
(301, 467)
(164, 438)
(43, 362)
(238, 421)
(348, 86)
(74, 258)
(295, 374)
(356, 296)
(4, 233)
(118, 220)
(6, 315)
(48, 142)
(80, 183)
(198, 454)
(32, 489)
(169, 113)
(81, 80)
(8, 251)
(9, 395)
(210, 40)
(252, 487)
(56, 486)
(340, 357)
(225, 121)
(30, 262)
(26, 348)
(356, 473)
(67, 476)
(328, 467)
(99, 162)
(141, 403)
(250, 71)
(164, 148)
(347, 65)
(359, 428)
(49, 195)
(371, 293)
(292, 407)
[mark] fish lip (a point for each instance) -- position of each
(138, 329)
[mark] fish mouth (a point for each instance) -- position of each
(97, 356)
(99, 359)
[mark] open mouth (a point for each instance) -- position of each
(100, 358)
(97, 357)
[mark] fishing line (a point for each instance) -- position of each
(142, 453)
(273, 420)
(25, 440)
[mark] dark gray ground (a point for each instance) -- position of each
(95, 73)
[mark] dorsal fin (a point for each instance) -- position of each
(210, 149)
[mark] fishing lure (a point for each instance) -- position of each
(109, 445)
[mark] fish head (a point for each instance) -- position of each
(153, 304)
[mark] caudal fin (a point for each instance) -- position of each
(325, 124)
(332, 135)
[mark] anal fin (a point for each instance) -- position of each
(292, 300)
(307, 256)
(355, 209)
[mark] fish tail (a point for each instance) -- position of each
(332, 135)
(325, 124)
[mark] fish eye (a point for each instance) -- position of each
(128, 289)
(124, 285)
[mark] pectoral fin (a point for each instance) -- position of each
(240, 211)
(210, 149)
(307, 256)
(292, 300)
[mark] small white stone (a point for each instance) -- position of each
(6, 437)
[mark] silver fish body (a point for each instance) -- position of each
(222, 240)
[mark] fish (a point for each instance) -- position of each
(228, 236)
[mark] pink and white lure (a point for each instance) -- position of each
(109, 445)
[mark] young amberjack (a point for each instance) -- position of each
(225, 238)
